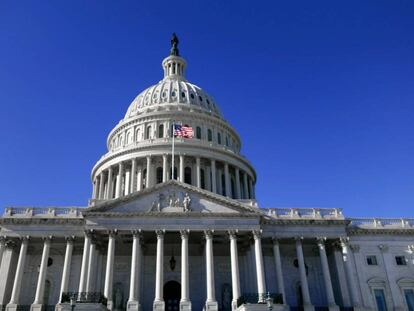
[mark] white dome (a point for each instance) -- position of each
(172, 90)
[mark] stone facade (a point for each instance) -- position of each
(193, 238)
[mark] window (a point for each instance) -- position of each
(409, 298)
(198, 132)
(148, 134)
(400, 260)
(227, 141)
(159, 175)
(372, 260)
(187, 175)
(202, 177)
(209, 135)
(161, 131)
(219, 138)
(380, 299)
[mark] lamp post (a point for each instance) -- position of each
(269, 302)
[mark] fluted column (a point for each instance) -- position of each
(109, 273)
(185, 303)
(40, 289)
(227, 180)
(234, 258)
(66, 267)
(133, 175)
(134, 285)
(279, 270)
(261, 281)
(17, 285)
(101, 194)
(91, 262)
(238, 188)
(110, 187)
(213, 177)
(211, 303)
(148, 182)
(198, 172)
(159, 273)
(307, 304)
(84, 264)
(164, 167)
(326, 275)
(350, 274)
(245, 186)
(139, 178)
(181, 168)
(118, 191)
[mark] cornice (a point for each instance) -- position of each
(304, 221)
(376, 231)
(41, 221)
(168, 215)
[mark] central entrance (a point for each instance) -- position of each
(172, 296)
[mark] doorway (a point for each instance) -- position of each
(172, 296)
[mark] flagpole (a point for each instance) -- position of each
(172, 160)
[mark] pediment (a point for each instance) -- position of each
(172, 198)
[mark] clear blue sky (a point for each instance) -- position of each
(321, 92)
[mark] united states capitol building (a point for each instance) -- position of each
(192, 236)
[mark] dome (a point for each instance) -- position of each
(172, 90)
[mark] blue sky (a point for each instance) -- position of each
(321, 93)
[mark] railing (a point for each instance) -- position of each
(382, 223)
(84, 297)
(304, 213)
(42, 212)
(255, 298)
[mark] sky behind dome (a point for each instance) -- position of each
(321, 93)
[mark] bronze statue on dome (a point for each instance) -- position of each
(174, 43)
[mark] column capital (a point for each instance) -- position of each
(275, 240)
(321, 241)
(69, 238)
(298, 238)
(344, 241)
(47, 239)
(208, 234)
(233, 234)
(137, 233)
(112, 233)
(160, 233)
(24, 238)
(184, 234)
(257, 234)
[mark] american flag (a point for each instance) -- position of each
(184, 131)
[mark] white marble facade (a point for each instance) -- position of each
(198, 241)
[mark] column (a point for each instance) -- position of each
(251, 188)
(238, 190)
(133, 301)
(327, 276)
(127, 182)
(245, 186)
(133, 175)
(279, 270)
(213, 177)
(159, 304)
(307, 304)
(261, 281)
(84, 265)
(350, 274)
(181, 174)
(101, 194)
(2, 248)
(198, 172)
(14, 300)
(340, 272)
(110, 187)
(40, 289)
(227, 180)
(66, 267)
(234, 258)
(211, 303)
(118, 191)
(91, 274)
(185, 303)
(95, 188)
(139, 178)
(148, 182)
(164, 167)
(109, 272)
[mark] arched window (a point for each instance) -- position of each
(159, 175)
(137, 135)
(161, 131)
(219, 138)
(209, 135)
(198, 132)
(202, 177)
(148, 133)
(187, 175)
(128, 137)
